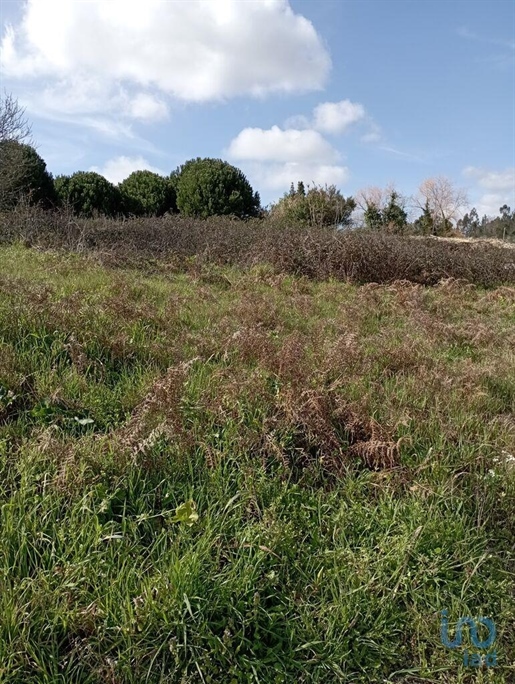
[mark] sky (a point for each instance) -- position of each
(355, 93)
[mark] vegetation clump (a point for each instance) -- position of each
(212, 187)
(88, 194)
(145, 193)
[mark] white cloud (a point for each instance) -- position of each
(492, 189)
(274, 158)
(198, 50)
(280, 176)
(147, 107)
(374, 133)
(278, 145)
(497, 180)
(117, 169)
(337, 117)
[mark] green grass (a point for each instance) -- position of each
(347, 450)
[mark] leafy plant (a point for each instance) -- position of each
(145, 193)
(319, 207)
(212, 187)
(24, 176)
(88, 193)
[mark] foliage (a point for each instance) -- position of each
(88, 193)
(24, 176)
(501, 227)
(212, 187)
(424, 224)
(383, 209)
(145, 193)
(319, 207)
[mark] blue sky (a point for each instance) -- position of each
(358, 93)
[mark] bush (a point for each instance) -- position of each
(358, 256)
(23, 175)
(145, 193)
(88, 193)
(320, 207)
(212, 187)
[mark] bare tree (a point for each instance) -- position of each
(13, 122)
(15, 163)
(443, 200)
(373, 196)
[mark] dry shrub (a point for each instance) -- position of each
(326, 430)
(251, 344)
(352, 255)
(157, 416)
(502, 293)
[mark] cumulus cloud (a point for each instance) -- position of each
(278, 145)
(275, 157)
(492, 189)
(146, 107)
(196, 51)
(337, 117)
(117, 169)
(279, 176)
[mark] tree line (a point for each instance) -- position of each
(204, 187)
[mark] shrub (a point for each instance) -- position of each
(88, 193)
(319, 207)
(211, 187)
(23, 175)
(145, 193)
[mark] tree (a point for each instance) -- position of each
(507, 221)
(145, 193)
(443, 201)
(13, 123)
(23, 175)
(209, 187)
(395, 218)
(88, 193)
(383, 209)
(320, 206)
(424, 224)
(18, 172)
(470, 225)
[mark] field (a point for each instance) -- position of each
(213, 472)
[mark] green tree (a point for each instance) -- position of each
(145, 193)
(507, 222)
(381, 215)
(469, 224)
(88, 193)
(210, 187)
(23, 175)
(395, 218)
(320, 206)
(424, 225)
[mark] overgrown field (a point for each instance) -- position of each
(349, 451)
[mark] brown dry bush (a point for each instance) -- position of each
(157, 415)
(356, 256)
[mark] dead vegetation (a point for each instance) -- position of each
(174, 243)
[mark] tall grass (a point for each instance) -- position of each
(348, 449)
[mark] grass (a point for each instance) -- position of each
(348, 450)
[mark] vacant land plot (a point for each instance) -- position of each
(222, 475)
